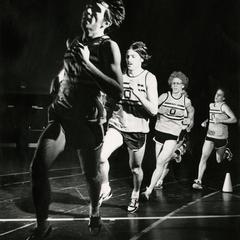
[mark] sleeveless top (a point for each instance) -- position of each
(129, 114)
(79, 97)
(217, 130)
(171, 115)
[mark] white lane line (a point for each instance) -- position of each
(153, 225)
(121, 218)
(16, 229)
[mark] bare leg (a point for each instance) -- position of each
(220, 153)
(162, 158)
(50, 145)
(90, 159)
(164, 174)
(135, 163)
(206, 151)
(163, 155)
(112, 141)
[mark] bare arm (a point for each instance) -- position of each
(190, 109)
(231, 117)
(151, 102)
(110, 81)
(162, 98)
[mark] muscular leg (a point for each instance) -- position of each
(135, 163)
(163, 155)
(112, 140)
(164, 174)
(220, 153)
(90, 159)
(50, 145)
(166, 168)
(206, 151)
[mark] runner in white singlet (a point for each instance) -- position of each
(172, 106)
(220, 115)
(129, 123)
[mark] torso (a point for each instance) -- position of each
(82, 97)
(129, 114)
(219, 130)
(171, 114)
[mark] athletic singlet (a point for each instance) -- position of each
(130, 115)
(217, 130)
(170, 115)
(79, 97)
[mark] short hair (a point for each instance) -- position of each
(180, 75)
(142, 50)
(116, 13)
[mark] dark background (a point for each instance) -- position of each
(200, 38)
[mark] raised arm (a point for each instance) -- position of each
(151, 102)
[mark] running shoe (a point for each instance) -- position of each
(133, 205)
(228, 154)
(197, 184)
(145, 195)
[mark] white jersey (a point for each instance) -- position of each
(130, 115)
(217, 130)
(171, 114)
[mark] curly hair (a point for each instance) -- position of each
(142, 50)
(116, 13)
(180, 75)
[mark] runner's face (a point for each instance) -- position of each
(93, 16)
(219, 96)
(133, 60)
(177, 85)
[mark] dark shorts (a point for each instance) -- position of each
(218, 143)
(161, 137)
(133, 140)
(79, 133)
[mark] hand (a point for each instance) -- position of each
(84, 53)
(190, 125)
(204, 124)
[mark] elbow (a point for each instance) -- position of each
(234, 120)
(119, 94)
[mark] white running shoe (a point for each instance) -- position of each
(197, 184)
(133, 205)
(228, 154)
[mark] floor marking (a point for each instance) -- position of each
(51, 178)
(59, 189)
(234, 195)
(16, 229)
(121, 218)
(51, 170)
(153, 225)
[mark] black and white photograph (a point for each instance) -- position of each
(119, 120)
